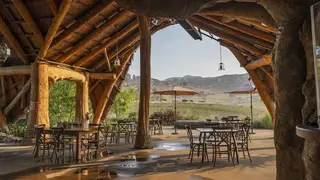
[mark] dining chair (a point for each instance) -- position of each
(195, 144)
(92, 142)
(43, 141)
(105, 135)
(60, 144)
(243, 143)
(222, 143)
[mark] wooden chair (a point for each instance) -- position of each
(105, 135)
(58, 143)
(195, 144)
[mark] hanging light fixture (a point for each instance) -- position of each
(221, 65)
(117, 60)
(5, 51)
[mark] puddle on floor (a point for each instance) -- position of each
(127, 166)
(171, 146)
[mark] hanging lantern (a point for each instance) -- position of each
(117, 62)
(5, 51)
(155, 21)
(221, 65)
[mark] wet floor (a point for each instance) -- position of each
(126, 166)
(171, 146)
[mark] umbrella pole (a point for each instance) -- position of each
(251, 111)
(175, 113)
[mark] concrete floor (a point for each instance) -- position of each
(168, 160)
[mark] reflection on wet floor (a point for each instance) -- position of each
(127, 166)
(171, 146)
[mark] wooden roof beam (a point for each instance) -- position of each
(258, 24)
(53, 6)
(24, 12)
(13, 42)
(102, 76)
(122, 47)
(96, 10)
(247, 46)
(93, 35)
(107, 44)
(264, 60)
(105, 53)
(268, 73)
(15, 70)
(245, 29)
(236, 33)
(55, 24)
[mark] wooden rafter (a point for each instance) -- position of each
(93, 35)
(107, 90)
(258, 24)
(129, 42)
(269, 74)
(107, 44)
(102, 76)
(24, 12)
(235, 33)
(245, 29)
(63, 9)
(105, 53)
(14, 43)
(53, 6)
(264, 60)
(261, 87)
(95, 85)
(15, 70)
(247, 46)
(101, 6)
(15, 100)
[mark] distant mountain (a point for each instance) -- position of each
(218, 84)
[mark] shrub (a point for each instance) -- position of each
(18, 128)
(191, 117)
(167, 116)
(133, 116)
(265, 123)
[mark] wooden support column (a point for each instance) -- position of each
(3, 123)
(143, 139)
(43, 95)
(3, 90)
(33, 100)
(82, 102)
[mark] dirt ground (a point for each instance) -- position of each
(168, 160)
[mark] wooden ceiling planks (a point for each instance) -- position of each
(89, 27)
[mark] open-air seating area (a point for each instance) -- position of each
(82, 143)
(228, 136)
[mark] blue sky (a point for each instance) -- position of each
(175, 53)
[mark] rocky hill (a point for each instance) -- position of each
(204, 85)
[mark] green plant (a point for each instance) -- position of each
(62, 103)
(123, 102)
(18, 128)
(191, 117)
(264, 123)
(133, 116)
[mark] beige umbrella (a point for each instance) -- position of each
(176, 91)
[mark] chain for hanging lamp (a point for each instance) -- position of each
(221, 65)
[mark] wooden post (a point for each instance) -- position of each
(143, 139)
(82, 102)
(3, 89)
(33, 100)
(3, 123)
(43, 95)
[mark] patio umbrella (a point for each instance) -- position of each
(246, 89)
(176, 91)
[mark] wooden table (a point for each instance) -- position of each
(76, 132)
(203, 134)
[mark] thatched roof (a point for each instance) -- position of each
(88, 27)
